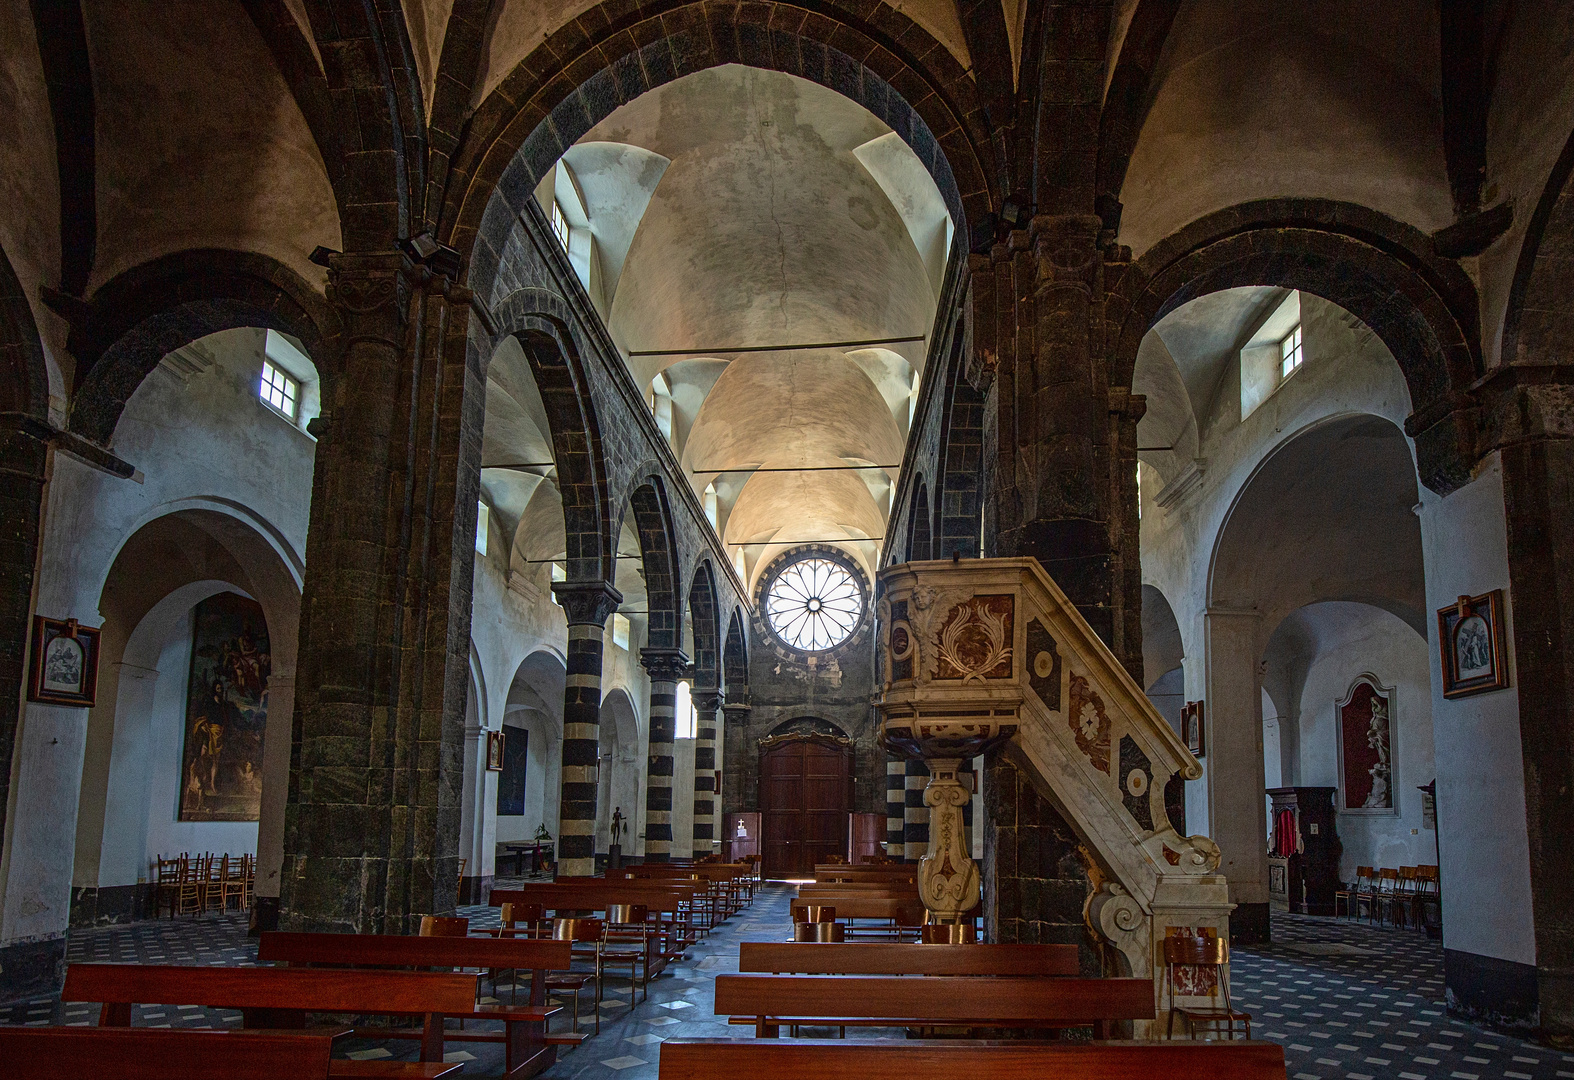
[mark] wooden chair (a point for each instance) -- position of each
(1351, 894)
(189, 898)
(1428, 897)
(250, 882)
(1384, 889)
(166, 886)
(1204, 953)
(459, 884)
(1401, 908)
(578, 932)
(626, 940)
(444, 926)
(232, 882)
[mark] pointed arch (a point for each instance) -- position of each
(706, 624)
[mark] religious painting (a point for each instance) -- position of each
(226, 711)
(511, 783)
(1470, 634)
(494, 751)
(64, 663)
(1366, 748)
(1191, 729)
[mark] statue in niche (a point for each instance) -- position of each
(1366, 747)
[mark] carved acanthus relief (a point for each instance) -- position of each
(974, 642)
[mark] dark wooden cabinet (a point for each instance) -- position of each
(1304, 850)
(806, 793)
(865, 837)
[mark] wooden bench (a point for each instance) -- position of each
(50, 1053)
(768, 1001)
(281, 998)
(901, 958)
(397, 951)
(899, 914)
(723, 1059)
(670, 906)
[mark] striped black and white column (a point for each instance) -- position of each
(915, 819)
(706, 702)
(587, 604)
(665, 667)
(895, 801)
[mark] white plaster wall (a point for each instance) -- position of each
(1348, 371)
(200, 442)
(1485, 865)
(1369, 640)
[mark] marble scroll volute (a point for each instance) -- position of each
(987, 653)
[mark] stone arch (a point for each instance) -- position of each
(1296, 533)
(919, 546)
(534, 703)
(705, 619)
(563, 382)
(24, 376)
(134, 320)
(164, 568)
(621, 770)
(577, 77)
(959, 483)
(659, 556)
(1541, 281)
(1423, 307)
(735, 657)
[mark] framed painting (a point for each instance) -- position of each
(1191, 729)
(1366, 748)
(226, 711)
(1471, 638)
(494, 751)
(64, 663)
(511, 784)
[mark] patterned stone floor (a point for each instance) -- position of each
(1347, 1001)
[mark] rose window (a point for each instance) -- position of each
(814, 605)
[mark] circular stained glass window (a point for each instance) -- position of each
(814, 604)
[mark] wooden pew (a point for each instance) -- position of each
(524, 1035)
(50, 1053)
(901, 958)
(723, 1059)
(281, 998)
(828, 873)
(668, 904)
(901, 913)
(768, 1001)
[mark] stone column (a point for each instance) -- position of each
(665, 667)
(1060, 478)
(371, 830)
(275, 796)
(587, 605)
(1232, 737)
(24, 458)
(915, 814)
(895, 806)
(706, 703)
(735, 720)
(1528, 415)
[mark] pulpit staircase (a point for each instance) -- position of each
(983, 652)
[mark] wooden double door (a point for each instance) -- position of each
(806, 793)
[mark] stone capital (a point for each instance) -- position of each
(586, 603)
(372, 290)
(737, 712)
(664, 665)
(707, 700)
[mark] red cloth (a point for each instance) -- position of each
(1284, 839)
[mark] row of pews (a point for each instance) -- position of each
(1003, 1006)
(386, 987)
(863, 900)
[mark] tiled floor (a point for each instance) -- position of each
(1349, 1002)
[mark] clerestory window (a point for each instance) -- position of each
(278, 391)
(1290, 353)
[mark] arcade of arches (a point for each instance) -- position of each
(452, 423)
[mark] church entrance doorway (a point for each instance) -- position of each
(806, 793)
